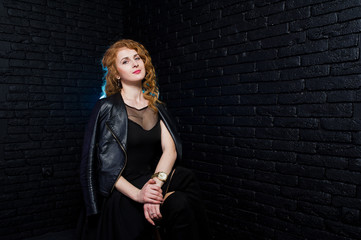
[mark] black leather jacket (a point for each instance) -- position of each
(104, 154)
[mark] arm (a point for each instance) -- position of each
(165, 164)
(169, 154)
(149, 193)
(88, 163)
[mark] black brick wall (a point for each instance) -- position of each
(50, 53)
(267, 94)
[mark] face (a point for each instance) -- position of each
(130, 66)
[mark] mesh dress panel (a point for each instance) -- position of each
(144, 117)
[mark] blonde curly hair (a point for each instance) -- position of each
(150, 89)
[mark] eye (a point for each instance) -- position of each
(125, 62)
(137, 58)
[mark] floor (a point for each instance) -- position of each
(63, 235)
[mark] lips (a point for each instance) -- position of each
(137, 72)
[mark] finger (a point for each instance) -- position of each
(157, 214)
(146, 214)
(151, 201)
(155, 188)
(154, 196)
(151, 181)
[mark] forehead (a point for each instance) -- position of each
(126, 52)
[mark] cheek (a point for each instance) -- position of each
(121, 71)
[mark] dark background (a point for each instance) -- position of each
(266, 92)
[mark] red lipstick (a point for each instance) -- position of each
(137, 72)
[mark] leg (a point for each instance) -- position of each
(178, 218)
(184, 182)
(167, 195)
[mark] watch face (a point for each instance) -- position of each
(162, 176)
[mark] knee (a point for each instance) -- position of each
(178, 200)
(177, 204)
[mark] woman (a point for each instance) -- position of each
(128, 174)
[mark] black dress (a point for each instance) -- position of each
(122, 218)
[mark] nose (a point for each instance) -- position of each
(135, 64)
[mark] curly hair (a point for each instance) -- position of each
(150, 89)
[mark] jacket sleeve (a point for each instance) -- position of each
(88, 166)
(170, 123)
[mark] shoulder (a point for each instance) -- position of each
(104, 105)
(161, 106)
(111, 100)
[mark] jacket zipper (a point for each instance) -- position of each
(125, 153)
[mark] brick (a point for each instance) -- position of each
(253, 56)
(281, 87)
(285, 40)
(334, 30)
(305, 72)
(323, 160)
(319, 21)
(279, 64)
(306, 195)
(262, 187)
(277, 133)
(252, 121)
(239, 89)
(296, 4)
(265, 10)
(325, 110)
(350, 231)
(240, 48)
(290, 15)
(304, 48)
(246, 142)
(276, 201)
(300, 170)
(332, 83)
(276, 110)
(299, 147)
(332, 187)
(355, 164)
(270, 31)
(230, 40)
(278, 156)
(333, 6)
(341, 124)
(325, 136)
(350, 216)
(326, 212)
(229, 60)
(343, 175)
(239, 111)
(236, 6)
(342, 55)
(296, 122)
(341, 96)
(344, 41)
(254, 100)
(300, 218)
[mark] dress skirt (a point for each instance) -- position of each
(121, 218)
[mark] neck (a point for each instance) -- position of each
(132, 94)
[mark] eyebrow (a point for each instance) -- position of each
(128, 57)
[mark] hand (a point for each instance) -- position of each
(150, 193)
(152, 212)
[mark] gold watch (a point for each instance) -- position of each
(161, 176)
